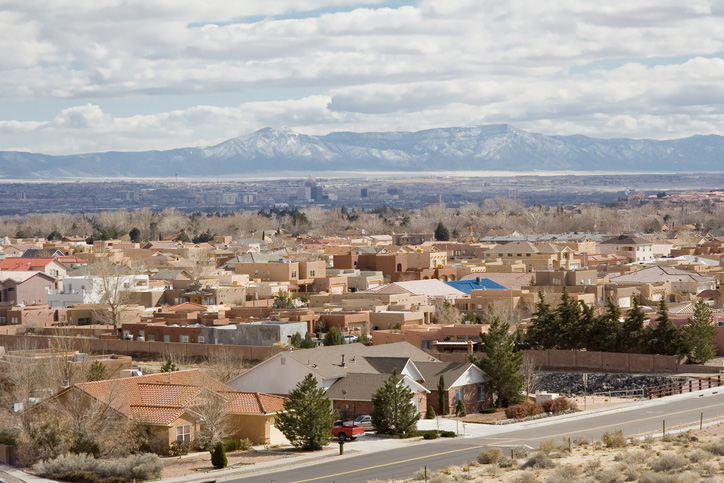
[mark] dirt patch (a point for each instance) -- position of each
(196, 463)
(481, 418)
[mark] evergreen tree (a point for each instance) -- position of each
(296, 340)
(441, 395)
(54, 236)
(700, 335)
(308, 417)
(604, 330)
(632, 335)
(544, 328)
(442, 233)
(502, 364)
(393, 411)
(460, 409)
(135, 235)
(97, 372)
(333, 337)
(665, 337)
(568, 313)
(282, 300)
(218, 456)
(307, 342)
(169, 366)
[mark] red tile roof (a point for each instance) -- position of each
(255, 402)
(18, 264)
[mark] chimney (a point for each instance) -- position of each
(169, 376)
(343, 364)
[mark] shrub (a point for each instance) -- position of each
(231, 444)
(699, 455)
(521, 451)
(84, 468)
(488, 410)
(506, 462)
(179, 448)
(669, 462)
(557, 405)
(218, 456)
(549, 446)
(539, 460)
(490, 456)
(8, 436)
(429, 435)
(430, 413)
(447, 434)
(715, 448)
(519, 411)
(526, 477)
(614, 440)
(460, 409)
(565, 473)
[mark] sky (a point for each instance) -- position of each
(133, 75)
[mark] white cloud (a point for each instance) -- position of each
(642, 69)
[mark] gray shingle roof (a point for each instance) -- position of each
(450, 371)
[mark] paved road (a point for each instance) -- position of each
(403, 462)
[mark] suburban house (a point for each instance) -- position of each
(171, 405)
(635, 249)
(367, 369)
(23, 288)
(682, 282)
(534, 257)
(49, 266)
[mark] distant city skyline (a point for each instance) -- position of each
(81, 77)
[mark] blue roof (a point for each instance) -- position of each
(467, 285)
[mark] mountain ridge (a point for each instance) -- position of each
(496, 147)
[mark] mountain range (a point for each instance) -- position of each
(499, 147)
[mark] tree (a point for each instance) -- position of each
(665, 337)
(97, 372)
(213, 413)
(441, 232)
(307, 342)
(460, 409)
(568, 314)
(333, 337)
(282, 300)
(441, 395)
(54, 235)
(633, 336)
(114, 285)
(296, 340)
(604, 331)
(393, 411)
(531, 375)
(544, 328)
(135, 235)
(502, 364)
(169, 366)
(218, 456)
(308, 417)
(700, 335)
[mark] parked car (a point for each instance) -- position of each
(363, 420)
(350, 338)
(343, 433)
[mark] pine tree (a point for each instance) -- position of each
(665, 338)
(503, 363)
(296, 340)
(393, 411)
(282, 300)
(700, 335)
(97, 372)
(632, 336)
(308, 417)
(169, 366)
(544, 328)
(218, 456)
(307, 342)
(460, 409)
(441, 232)
(604, 330)
(568, 313)
(441, 395)
(333, 337)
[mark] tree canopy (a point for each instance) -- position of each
(700, 335)
(502, 364)
(393, 410)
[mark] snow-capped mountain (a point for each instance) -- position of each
(491, 148)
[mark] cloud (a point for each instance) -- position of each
(323, 65)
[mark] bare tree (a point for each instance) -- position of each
(114, 283)
(223, 363)
(212, 409)
(201, 262)
(531, 375)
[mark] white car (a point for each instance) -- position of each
(363, 420)
(350, 338)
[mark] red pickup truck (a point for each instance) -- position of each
(344, 433)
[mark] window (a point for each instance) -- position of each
(127, 335)
(427, 344)
(167, 338)
(458, 395)
(151, 338)
(294, 274)
(3, 320)
(183, 433)
(200, 339)
(481, 393)
(183, 338)
(311, 273)
(14, 321)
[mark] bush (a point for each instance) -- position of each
(565, 473)
(557, 405)
(218, 456)
(614, 440)
(179, 448)
(526, 477)
(429, 434)
(8, 436)
(490, 456)
(520, 411)
(539, 460)
(460, 409)
(715, 448)
(488, 410)
(84, 468)
(447, 434)
(231, 444)
(669, 462)
(430, 413)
